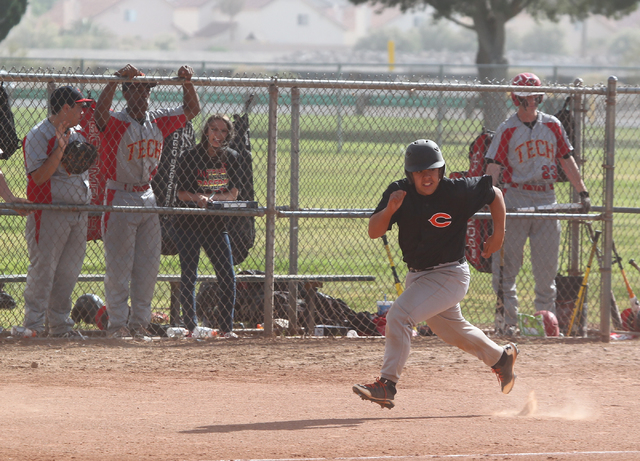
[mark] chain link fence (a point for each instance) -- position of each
(322, 153)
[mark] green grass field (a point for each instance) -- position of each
(346, 162)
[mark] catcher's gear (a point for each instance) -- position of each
(550, 321)
(420, 155)
(86, 309)
(78, 157)
(630, 320)
(526, 79)
(6, 301)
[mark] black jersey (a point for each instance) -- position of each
(432, 228)
(197, 172)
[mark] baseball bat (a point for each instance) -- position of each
(554, 208)
(635, 305)
(499, 318)
(615, 312)
(396, 279)
(634, 264)
(583, 287)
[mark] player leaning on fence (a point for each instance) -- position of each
(131, 143)
(431, 212)
(526, 149)
(56, 239)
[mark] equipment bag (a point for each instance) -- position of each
(9, 141)
(568, 123)
(242, 231)
(164, 181)
(477, 229)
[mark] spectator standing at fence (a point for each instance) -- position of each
(526, 149)
(431, 212)
(56, 239)
(209, 172)
(131, 145)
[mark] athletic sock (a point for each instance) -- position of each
(389, 383)
(502, 360)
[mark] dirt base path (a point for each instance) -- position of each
(292, 399)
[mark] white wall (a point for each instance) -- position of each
(152, 18)
(278, 23)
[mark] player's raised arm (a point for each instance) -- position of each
(498, 214)
(191, 101)
(103, 106)
(379, 222)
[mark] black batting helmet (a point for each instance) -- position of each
(86, 308)
(422, 154)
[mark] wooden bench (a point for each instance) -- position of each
(311, 283)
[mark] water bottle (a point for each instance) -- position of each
(177, 332)
(22, 332)
(204, 332)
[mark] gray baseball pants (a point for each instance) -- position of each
(132, 243)
(544, 242)
(57, 242)
(434, 296)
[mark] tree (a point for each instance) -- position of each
(13, 12)
(487, 18)
(231, 8)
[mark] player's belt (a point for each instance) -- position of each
(459, 261)
(115, 185)
(533, 187)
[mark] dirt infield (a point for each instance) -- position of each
(291, 399)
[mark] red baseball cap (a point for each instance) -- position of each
(66, 95)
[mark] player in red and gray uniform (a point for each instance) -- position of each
(432, 213)
(131, 145)
(526, 149)
(56, 239)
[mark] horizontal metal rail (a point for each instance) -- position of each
(299, 83)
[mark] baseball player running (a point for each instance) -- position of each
(525, 150)
(56, 239)
(431, 212)
(130, 148)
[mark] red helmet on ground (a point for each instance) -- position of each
(629, 320)
(525, 79)
(550, 321)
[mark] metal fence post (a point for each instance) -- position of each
(576, 109)
(339, 112)
(609, 161)
(272, 150)
(294, 205)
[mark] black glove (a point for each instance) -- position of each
(78, 157)
(585, 201)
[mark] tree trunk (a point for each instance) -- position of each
(492, 65)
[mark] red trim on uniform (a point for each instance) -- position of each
(38, 193)
(171, 123)
(109, 142)
(563, 147)
(109, 196)
(502, 153)
(531, 187)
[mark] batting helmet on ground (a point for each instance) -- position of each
(526, 79)
(86, 308)
(420, 155)
(630, 321)
(550, 322)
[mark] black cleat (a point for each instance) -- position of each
(504, 372)
(380, 392)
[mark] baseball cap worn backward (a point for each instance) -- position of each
(66, 95)
(422, 154)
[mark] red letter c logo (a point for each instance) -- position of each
(440, 220)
